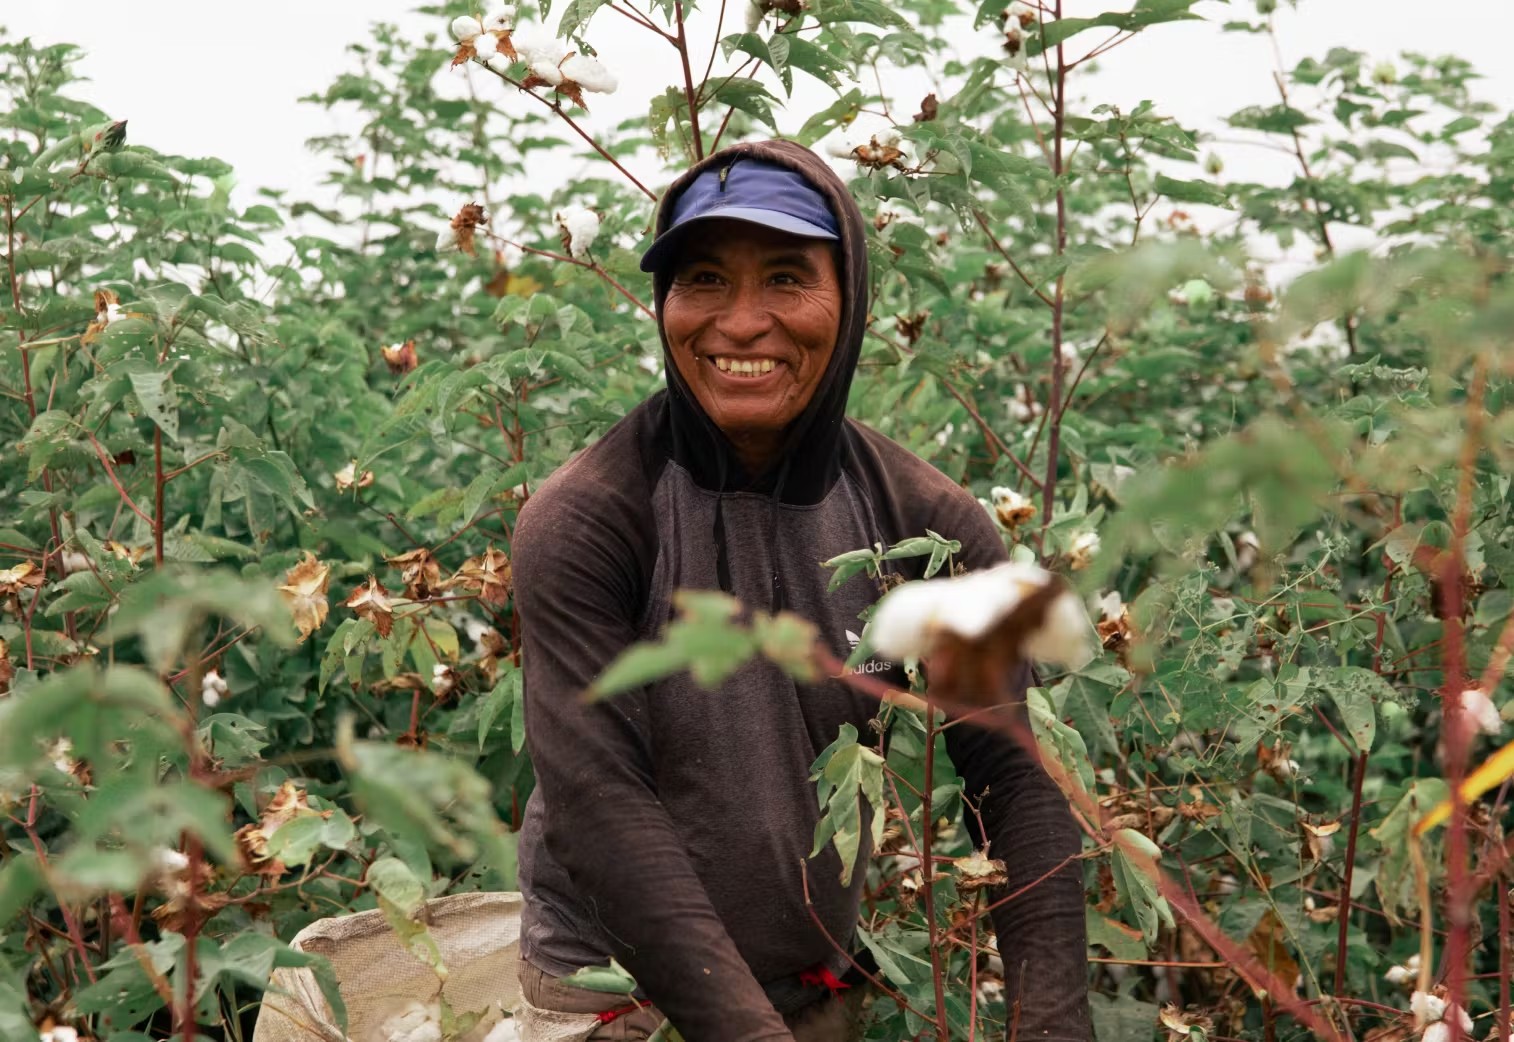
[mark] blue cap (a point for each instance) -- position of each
(751, 190)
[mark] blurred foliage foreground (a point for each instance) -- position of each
(258, 661)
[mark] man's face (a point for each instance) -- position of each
(751, 317)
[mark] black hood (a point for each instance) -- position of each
(810, 459)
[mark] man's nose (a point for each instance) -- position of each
(745, 316)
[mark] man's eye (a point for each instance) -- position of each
(704, 278)
(784, 278)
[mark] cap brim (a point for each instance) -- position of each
(662, 251)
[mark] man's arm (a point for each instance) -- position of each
(1042, 933)
(604, 822)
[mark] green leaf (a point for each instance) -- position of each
(155, 390)
(392, 878)
(1193, 192)
(817, 61)
(748, 96)
(1356, 692)
(828, 12)
(1145, 13)
(504, 695)
(484, 487)
(848, 774)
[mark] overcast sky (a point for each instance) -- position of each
(223, 79)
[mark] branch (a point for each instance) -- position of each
(580, 264)
(983, 223)
(111, 473)
(580, 131)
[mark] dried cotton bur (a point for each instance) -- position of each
(976, 629)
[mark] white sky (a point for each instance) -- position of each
(209, 78)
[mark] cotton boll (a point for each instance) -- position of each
(499, 63)
(1065, 638)
(547, 72)
(535, 43)
(501, 19)
(1481, 711)
(1111, 606)
(504, 1031)
(581, 227)
(590, 74)
(755, 12)
(465, 27)
(446, 241)
(485, 45)
(169, 861)
(212, 689)
(910, 619)
(840, 146)
(415, 1023)
(1247, 546)
(902, 627)
(1011, 508)
(1427, 1007)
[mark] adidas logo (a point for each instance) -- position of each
(869, 666)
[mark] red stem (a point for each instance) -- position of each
(688, 82)
(159, 484)
(1358, 779)
(1505, 893)
(928, 871)
(1460, 892)
(1058, 307)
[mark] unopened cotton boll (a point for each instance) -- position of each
(581, 225)
(485, 45)
(465, 27)
(590, 74)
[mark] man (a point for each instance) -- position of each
(669, 825)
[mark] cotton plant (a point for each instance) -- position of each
(974, 628)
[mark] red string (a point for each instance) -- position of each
(610, 1015)
(821, 975)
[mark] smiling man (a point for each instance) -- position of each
(671, 827)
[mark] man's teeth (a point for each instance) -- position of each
(744, 367)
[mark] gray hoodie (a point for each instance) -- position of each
(669, 825)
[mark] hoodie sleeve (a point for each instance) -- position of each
(578, 597)
(1041, 934)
